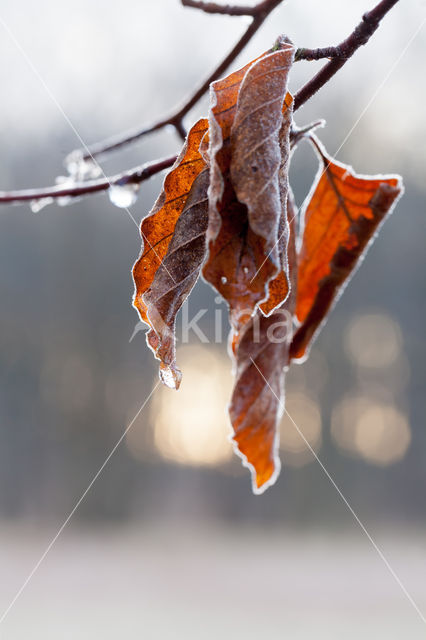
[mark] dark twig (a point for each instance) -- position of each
(226, 9)
(133, 176)
(340, 54)
(259, 13)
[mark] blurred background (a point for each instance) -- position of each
(170, 542)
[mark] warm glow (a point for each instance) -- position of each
(382, 435)
(376, 431)
(307, 416)
(373, 341)
(191, 426)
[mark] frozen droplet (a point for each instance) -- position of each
(81, 168)
(224, 279)
(169, 376)
(123, 195)
(246, 270)
(64, 201)
(65, 182)
(38, 205)
(72, 162)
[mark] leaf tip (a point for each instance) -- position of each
(170, 376)
(264, 471)
(262, 481)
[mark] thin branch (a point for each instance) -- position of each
(226, 9)
(78, 189)
(259, 13)
(132, 176)
(340, 54)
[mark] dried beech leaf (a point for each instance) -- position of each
(249, 147)
(158, 227)
(279, 286)
(261, 354)
(175, 278)
(340, 221)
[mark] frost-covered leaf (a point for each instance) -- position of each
(279, 285)
(176, 276)
(158, 227)
(340, 221)
(249, 146)
(261, 355)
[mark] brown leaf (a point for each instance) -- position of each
(158, 227)
(249, 146)
(340, 221)
(279, 286)
(261, 354)
(175, 278)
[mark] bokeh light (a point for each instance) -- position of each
(373, 340)
(374, 430)
(191, 427)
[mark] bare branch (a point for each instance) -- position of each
(340, 54)
(259, 12)
(133, 176)
(227, 9)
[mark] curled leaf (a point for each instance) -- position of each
(249, 145)
(340, 221)
(279, 286)
(176, 276)
(261, 354)
(158, 227)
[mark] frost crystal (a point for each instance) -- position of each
(81, 168)
(65, 182)
(38, 205)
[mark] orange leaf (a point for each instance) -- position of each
(261, 354)
(340, 220)
(175, 278)
(249, 148)
(158, 227)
